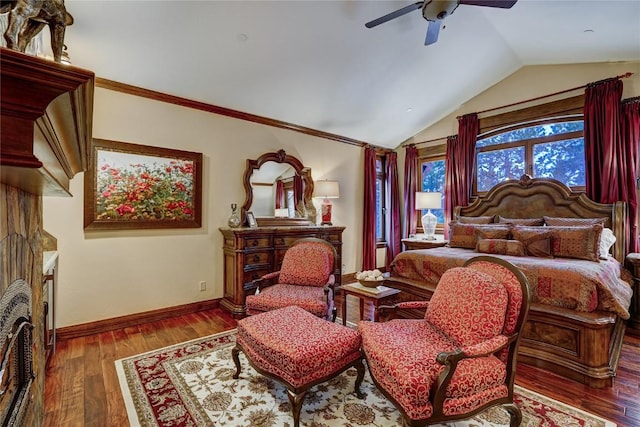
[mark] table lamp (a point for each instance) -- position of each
(429, 200)
(326, 189)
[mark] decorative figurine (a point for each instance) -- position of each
(28, 17)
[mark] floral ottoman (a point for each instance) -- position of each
(298, 349)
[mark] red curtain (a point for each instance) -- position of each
(630, 132)
(410, 188)
(369, 216)
(394, 236)
(602, 141)
(460, 163)
(279, 193)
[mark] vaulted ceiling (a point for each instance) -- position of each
(314, 64)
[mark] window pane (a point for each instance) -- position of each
(562, 160)
(379, 217)
(531, 132)
(499, 165)
(433, 180)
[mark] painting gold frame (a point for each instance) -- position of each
(132, 186)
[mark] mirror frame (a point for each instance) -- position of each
(279, 156)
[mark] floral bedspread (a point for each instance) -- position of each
(570, 283)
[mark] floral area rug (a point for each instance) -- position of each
(191, 384)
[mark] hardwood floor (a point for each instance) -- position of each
(81, 386)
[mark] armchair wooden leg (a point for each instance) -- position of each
(296, 405)
(514, 413)
(360, 368)
(235, 351)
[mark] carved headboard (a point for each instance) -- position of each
(536, 197)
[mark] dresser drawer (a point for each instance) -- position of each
(257, 242)
(334, 238)
(252, 259)
(289, 240)
(250, 276)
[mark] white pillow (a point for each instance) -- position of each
(607, 239)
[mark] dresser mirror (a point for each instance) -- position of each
(260, 177)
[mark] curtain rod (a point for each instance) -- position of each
(406, 144)
(621, 76)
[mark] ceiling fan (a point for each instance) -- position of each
(435, 11)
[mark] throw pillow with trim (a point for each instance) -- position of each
(571, 222)
(466, 235)
(521, 221)
(500, 247)
(581, 242)
(536, 240)
(476, 219)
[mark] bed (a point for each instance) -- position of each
(580, 304)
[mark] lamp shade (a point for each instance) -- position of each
(428, 200)
(327, 189)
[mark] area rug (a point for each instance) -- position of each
(191, 384)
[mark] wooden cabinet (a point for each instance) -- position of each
(249, 253)
(633, 264)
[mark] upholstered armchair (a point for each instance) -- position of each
(305, 279)
(461, 357)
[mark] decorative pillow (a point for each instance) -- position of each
(466, 235)
(607, 239)
(570, 222)
(476, 219)
(500, 247)
(536, 240)
(582, 242)
(521, 221)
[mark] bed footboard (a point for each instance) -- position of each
(584, 347)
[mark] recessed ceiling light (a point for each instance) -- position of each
(409, 110)
(242, 37)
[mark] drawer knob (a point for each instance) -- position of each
(254, 243)
(256, 258)
(255, 276)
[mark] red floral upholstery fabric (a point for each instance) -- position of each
(310, 298)
(511, 283)
(401, 355)
(469, 310)
(468, 306)
(307, 264)
(297, 346)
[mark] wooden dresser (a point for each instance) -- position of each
(251, 252)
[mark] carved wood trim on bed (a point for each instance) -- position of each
(536, 197)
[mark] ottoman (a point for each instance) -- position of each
(299, 350)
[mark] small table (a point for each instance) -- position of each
(418, 243)
(373, 295)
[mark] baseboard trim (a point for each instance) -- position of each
(106, 325)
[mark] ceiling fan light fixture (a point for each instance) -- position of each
(435, 10)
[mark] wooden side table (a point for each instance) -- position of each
(418, 243)
(374, 295)
(633, 264)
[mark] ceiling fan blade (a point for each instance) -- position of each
(393, 15)
(504, 4)
(432, 32)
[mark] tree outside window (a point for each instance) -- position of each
(544, 150)
(433, 179)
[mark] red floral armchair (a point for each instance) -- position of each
(461, 358)
(305, 279)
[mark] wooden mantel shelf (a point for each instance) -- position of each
(45, 122)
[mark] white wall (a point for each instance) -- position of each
(105, 274)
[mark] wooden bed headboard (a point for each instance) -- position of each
(537, 197)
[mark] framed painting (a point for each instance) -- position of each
(131, 186)
(251, 219)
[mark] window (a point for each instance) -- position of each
(380, 199)
(432, 178)
(546, 149)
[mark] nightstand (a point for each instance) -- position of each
(419, 243)
(633, 264)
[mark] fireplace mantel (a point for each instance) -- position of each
(45, 122)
